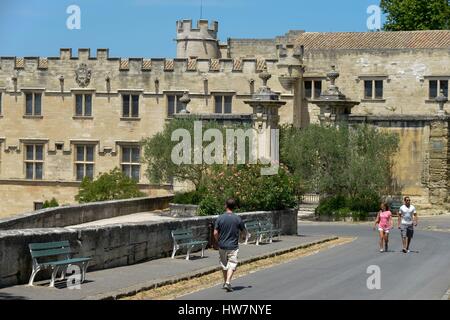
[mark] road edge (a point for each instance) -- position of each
(133, 290)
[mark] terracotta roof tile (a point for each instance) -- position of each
(375, 40)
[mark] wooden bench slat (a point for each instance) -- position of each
(50, 252)
(66, 261)
(182, 237)
(48, 245)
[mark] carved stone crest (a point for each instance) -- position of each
(83, 75)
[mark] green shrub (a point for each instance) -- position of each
(328, 206)
(368, 202)
(210, 206)
(341, 207)
(360, 215)
(252, 191)
(191, 197)
(113, 185)
(50, 204)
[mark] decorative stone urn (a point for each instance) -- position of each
(333, 104)
(184, 102)
(441, 99)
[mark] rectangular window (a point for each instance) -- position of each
(313, 89)
(443, 85)
(38, 205)
(173, 104)
(227, 102)
(84, 161)
(131, 166)
(223, 104)
(83, 105)
(435, 87)
(130, 106)
(378, 89)
(34, 161)
(368, 89)
(373, 89)
(308, 89)
(317, 88)
(33, 104)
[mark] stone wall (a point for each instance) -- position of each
(115, 245)
(78, 214)
(420, 165)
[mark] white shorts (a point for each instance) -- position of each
(228, 259)
(385, 230)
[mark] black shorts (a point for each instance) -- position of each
(407, 231)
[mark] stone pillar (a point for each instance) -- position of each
(438, 165)
(265, 104)
(291, 71)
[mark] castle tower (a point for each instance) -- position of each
(200, 42)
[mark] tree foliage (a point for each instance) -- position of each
(353, 162)
(405, 15)
(158, 151)
(112, 185)
(251, 190)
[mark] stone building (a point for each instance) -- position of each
(66, 117)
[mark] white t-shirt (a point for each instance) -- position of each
(407, 214)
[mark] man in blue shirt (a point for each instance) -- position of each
(226, 232)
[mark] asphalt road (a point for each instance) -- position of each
(341, 272)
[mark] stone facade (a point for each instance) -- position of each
(405, 62)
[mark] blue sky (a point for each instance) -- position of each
(146, 28)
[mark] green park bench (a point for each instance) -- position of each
(252, 228)
(261, 230)
(183, 238)
(395, 206)
(47, 255)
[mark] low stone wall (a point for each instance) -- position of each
(115, 245)
(78, 214)
(182, 210)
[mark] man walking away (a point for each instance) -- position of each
(407, 220)
(226, 232)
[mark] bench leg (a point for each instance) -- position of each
(189, 252)
(54, 273)
(33, 274)
(83, 271)
(174, 251)
(258, 239)
(247, 237)
(63, 273)
(203, 250)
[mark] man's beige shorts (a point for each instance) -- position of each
(228, 259)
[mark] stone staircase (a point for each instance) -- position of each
(306, 211)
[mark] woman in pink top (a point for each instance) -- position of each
(384, 221)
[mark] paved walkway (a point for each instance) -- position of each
(150, 216)
(110, 283)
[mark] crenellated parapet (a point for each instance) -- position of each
(199, 42)
(204, 30)
(104, 73)
(47, 64)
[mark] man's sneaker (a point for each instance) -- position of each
(404, 251)
(381, 250)
(228, 287)
(408, 251)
